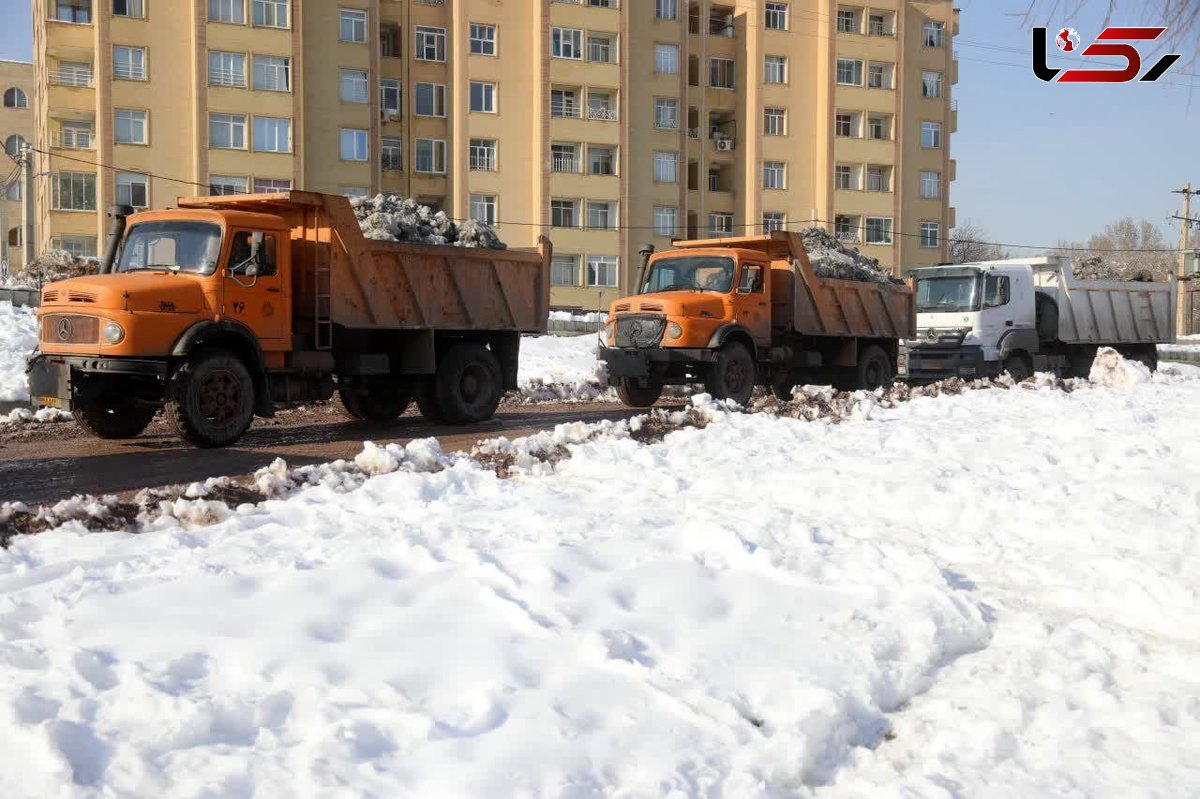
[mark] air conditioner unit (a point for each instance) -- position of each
(724, 145)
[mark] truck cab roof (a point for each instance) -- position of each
(226, 218)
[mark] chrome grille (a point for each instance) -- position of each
(640, 330)
(70, 329)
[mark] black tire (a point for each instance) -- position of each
(635, 396)
(376, 401)
(210, 399)
(1147, 357)
(874, 369)
(732, 374)
(104, 412)
(782, 385)
(1018, 367)
(467, 386)
(427, 403)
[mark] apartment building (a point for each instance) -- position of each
(16, 129)
(605, 124)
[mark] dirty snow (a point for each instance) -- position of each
(562, 369)
(18, 338)
(831, 257)
(990, 594)
(386, 217)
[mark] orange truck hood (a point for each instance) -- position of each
(687, 304)
(134, 291)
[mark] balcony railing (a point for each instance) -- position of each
(602, 113)
(221, 77)
(129, 72)
(392, 162)
(566, 110)
(483, 163)
(68, 77)
(666, 123)
(592, 3)
(564, 163)
(76, 140)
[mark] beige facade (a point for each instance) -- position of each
(16, 129)
(606, 124)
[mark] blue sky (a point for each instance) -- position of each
(1037, 162)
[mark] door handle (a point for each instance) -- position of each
(276, 291)
(1008, 323)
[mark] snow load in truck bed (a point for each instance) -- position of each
(832, 258)
(387, 217)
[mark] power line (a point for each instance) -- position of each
(100, 165)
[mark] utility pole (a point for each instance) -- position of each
(1185, 229)
(29, 207)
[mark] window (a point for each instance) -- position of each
(564, 213)
(431, 155)
(931, 33)
(564, 103)
(665, 220)
(270, 13)
(15, 98)
(602, 271)
(773, 174)
(232, 11)
(227, 131)
(566, 43)
(354, 86)
(601, 48)
(601, 215)
(133, 189)
(879, 127)
(931, 134)
(389, 41)
(354, 191)
(14, 191)
(931, 185)
(777, 16)
(879, 24)
(846, 228)
(602, 160)
(849, 72)
(222, 185)
(431, 100)
(128, 8)
(931, 234)
(720, 224)
(431, 43)
(129, 126)
(483, 155)
(995, 287)
(774, 121)
(846, 125)
(666, 113)
(483, 208)
(564, 157)
(389, 95)
(73, 191)
(847, 20)
(564, 270)
(14, 144)
(483, 97)
(272, 73)
(666, 9)
(772, 221)
(14, 237)
(129, 63)
(226, 69)
(391, 154)
(879, 76)
(352, 25)
(271, 185)
(353, 145)
(931, 84)
(879, 178)
(845, 177)
(78, 246)
(72, 73)
(721, 73)
(483, 39)
(879, 230)
(666, 167)
(775, 69)
(601, 105)
(73, 11)
(666, 59)
(272, 135)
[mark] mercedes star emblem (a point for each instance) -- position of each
(64, 329)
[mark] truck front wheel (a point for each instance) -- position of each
(874, 370)
(466, 388)
(731, 375)
(1018, 367)
(103, 411)
(379, 401)
(635, 396)
(210, 399)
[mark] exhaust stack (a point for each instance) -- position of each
(118, 215)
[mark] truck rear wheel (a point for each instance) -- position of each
(731, 375)
(377, 401)
(635, 396)
(466, 388)
(783, 385)
(1019, 367)
(104, 412)
(210, 399)
(874, 369)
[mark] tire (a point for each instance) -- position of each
(732, 374)
(427, 403)
(375, 401)
(1018, 367)
(103, 412)
(783, 385)
(634, 396)
(1147, 357)
(467, 386)
(210, 399)
(874, 369)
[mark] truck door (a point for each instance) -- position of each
(257, 300)
(753, 304)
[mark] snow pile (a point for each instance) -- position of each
(592, 317)
(833, 258)
(50, 266)
(18, 338)
(562, 369)
(1111, 370)
(22, 416)
(387, 217)
(1098, 267)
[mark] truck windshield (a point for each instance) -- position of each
(176, 246)
(948, 294)
(691, 273)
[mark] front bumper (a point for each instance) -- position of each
(640, 364)
(52, 377)
(926, 362)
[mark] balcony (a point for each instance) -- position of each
(603, 113)
(72, 78)
(74, 139)
(590, 3)
(560, 162)
(566, 109)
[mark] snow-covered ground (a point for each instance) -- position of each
(993, 594)
(18, 337)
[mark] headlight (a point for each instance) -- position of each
(674, 330)
(112, 333)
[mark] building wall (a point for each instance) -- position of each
(716, 131)
(16, 120)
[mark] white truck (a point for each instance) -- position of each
(1030, 314)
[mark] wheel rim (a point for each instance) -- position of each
(873, 376)
(472, 386)
(735, 377)
(220, 397)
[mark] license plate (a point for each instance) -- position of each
(932, 364)
(49, 402)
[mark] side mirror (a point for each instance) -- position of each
(256, 246)
(252, 270)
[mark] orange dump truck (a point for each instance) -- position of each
(230, 307)
(734, 313)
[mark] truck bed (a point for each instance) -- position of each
(1108, 311)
